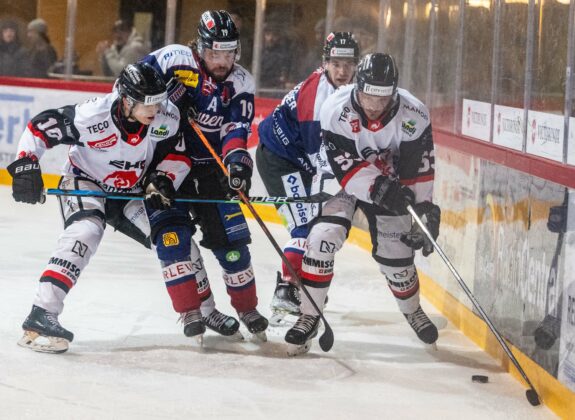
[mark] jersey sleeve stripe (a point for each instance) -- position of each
(352, 172)
(417, 180)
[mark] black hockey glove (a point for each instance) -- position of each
(27, 184)
(239, 165)
(391, 195)
(557, 221)
(179, 96)
(430, 214)
(159, 191)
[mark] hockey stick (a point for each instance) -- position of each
(531, 394)
(317, 198)
(326, 339)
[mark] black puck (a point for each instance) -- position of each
(482, 379)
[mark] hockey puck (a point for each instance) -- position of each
(482, 379)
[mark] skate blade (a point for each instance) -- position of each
(431, 347)
(296, 349)
(235, 337)
(283, 319)
(43, 344)
(261, 336)
(199, 339)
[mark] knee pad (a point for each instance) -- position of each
(173, 243)
(233, 259)
(404, 284)
(76, 245)
(324, 240)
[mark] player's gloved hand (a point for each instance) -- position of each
(391, 195)
(240, 168)
(430, 214)
(557, 221)
(27, 184)
(159, 191)
(179, 96)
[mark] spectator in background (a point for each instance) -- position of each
(277, 57)
(12, 53)
(41, 54)
(126, 48)
(366, 34)
(312, 60)
(245, 59)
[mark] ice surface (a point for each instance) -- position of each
(130, 359)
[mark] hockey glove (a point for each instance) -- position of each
(27, 184)
(179, 96)
(430, 214)
(160, 191)
(240, 170)
(391, 195)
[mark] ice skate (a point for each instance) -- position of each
(255, 322)
(299, 337)
(285, 302)
(193, 325)
(224, 325)
(43, 332)
(425, 329)
(547, 332)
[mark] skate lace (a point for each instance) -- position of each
(187, 318)
(250, 316)
(418, 320)
(52, 319)
(216, 319)
(305, 323)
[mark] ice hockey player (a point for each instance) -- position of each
(111, 143)
(217, 95)
(377, 154)
(289, 141)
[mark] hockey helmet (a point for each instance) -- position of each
(141, 83)
(217, 31)
(377, 75)
(340, 45)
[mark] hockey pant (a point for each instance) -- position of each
(85, 219)
(327, 236)
(284, 179)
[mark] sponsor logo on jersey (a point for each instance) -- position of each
(80, 248)
(408, 126)
(161, 131)
(104, 143)
(417, 111)
(124, 164)
(294, 184)
(98, 127)
(209, 121)
(169, 114)
(170, 239)
(355, 126)
(187, 77)
(122, 179)
(344, 114)
(233, 256)
(134, 139)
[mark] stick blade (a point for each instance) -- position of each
(326, 339)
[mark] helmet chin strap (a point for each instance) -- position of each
(131, 106)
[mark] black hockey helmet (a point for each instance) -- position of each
(340, 45)
(218, 31)
(377, 75)
(141, 82)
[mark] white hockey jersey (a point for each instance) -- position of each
(355, 150)
(103, 146)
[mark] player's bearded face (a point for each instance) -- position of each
(374, 106)
(219, 63)
(340, 70)
(144, 114)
